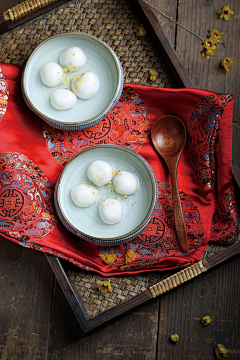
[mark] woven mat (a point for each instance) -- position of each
(112, 21)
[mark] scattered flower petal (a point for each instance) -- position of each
(227, 62)
(153, 74)
(225, 13)
(220, 350)
(104, 287)
(140, 31)
(174, 338)
(206, 320)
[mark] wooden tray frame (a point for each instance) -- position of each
(182, 79)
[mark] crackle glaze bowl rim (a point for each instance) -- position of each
(118, 239)
(82, 124)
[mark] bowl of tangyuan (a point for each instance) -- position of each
(106, 194)
(72, 80)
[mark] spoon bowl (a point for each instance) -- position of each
(169, 136)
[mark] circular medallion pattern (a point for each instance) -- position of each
(26, 199)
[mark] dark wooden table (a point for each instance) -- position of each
(36, 322)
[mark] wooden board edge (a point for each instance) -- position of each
(156, 29)
(67, 289)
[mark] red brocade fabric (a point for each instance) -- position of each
(32, 155)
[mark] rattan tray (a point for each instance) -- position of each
(112, 21)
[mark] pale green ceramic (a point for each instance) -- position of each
(100, 59)
(137, 207)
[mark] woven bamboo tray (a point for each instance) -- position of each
(112, 21)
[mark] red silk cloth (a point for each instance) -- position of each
(32, 154)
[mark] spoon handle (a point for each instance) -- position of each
(178, 214)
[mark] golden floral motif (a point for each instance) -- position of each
(108, 258)
(130, 256)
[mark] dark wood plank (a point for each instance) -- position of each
(215, 294)
(90, 325)
(7, 4)
(26, 284)
(167, 50)
(201, 16)
(170, 9)
(133, 337)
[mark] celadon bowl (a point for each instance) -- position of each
(86, 222)
(100, 59)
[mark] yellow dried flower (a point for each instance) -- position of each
(210, 47)
(210, 44)
(227, 62)
(204, 55)
(206, 320)
(220, 350)
(225, 13)
(108, 258)
(153, 74)
(174, 338)
(140, 31)
(216, 34)
(104, 287)
(211, 52)
(130, 256)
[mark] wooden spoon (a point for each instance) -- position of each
(169, 136)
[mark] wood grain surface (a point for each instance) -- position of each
(201, 17)
(36, 322)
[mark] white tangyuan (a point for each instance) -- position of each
(100, 172)
(86, 85)
(63, 99)
(125, 182)
(84, 195)
(111, 211)
(73, 58)
(51, 74)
